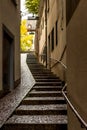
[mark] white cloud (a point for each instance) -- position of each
(22, 5)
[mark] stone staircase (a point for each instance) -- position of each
(44, 107)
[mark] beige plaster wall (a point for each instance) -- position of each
(77, 64)
(58, 12)
(0, 55)
(42, 33)
(10, 17)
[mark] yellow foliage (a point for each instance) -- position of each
(26, 39)
(23, 27)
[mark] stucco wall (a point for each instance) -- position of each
(9, 16)
(42, 32)
(0, 55)
(58, 13)
(77, 64)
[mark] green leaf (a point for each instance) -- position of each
(32, 6)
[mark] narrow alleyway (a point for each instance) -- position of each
(44, 107)
(12, 100)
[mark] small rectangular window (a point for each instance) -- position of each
(56, 32)
(42, 22)
(52, 36)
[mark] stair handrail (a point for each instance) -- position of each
(58, 61)
(82, 121)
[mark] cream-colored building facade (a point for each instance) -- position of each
(52, 35)
(9, 45)
(64, 38)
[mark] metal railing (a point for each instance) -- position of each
(83, 123)
(58, 61)
(81, 120)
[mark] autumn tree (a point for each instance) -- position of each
(32, 6)
(26, 39)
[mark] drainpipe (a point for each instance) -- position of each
(46, 28)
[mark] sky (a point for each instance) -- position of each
(24, 10)
(22, 5)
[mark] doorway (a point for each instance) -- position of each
(8, 59)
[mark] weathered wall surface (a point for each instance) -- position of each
(10, 18)
(77, 64)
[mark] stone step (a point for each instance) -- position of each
(47, 88)
(47, 80)
(34, 68)
(37, 122)
(43, 100)
(44, 93)
(33, 59)
(29, 56)
(33, 62)
(36, 65)
(48, 83)
(39, 70)
(42, 74)
(41, 110)
(45, 77)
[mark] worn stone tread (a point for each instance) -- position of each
(38, 119)
(48, 80)
(48, 83)
(47, 88)
(34, 93)
(43, 74)
(44, 92)
(45, 77)
(44, 98)
(42, 107)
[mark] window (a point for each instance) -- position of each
(49, 43)
(56, 32)
(48, 6)
(42, 22)
(52, 37)
(49, 39)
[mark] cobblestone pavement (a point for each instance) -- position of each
(12, 100)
